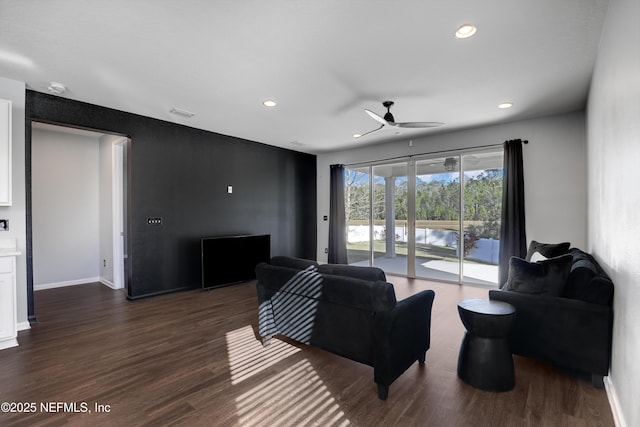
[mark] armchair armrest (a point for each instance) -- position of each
(402, 336)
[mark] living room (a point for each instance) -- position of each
(579, 177)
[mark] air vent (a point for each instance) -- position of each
(183, 113)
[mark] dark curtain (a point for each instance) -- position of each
(337, 231)
(513, 240)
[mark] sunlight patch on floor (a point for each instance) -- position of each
(247, 356)
(295, 396)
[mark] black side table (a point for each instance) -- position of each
(485, 359)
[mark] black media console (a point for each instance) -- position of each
(232, 259)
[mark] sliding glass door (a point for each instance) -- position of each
(376, 216)
(435, 218)
(390, 217)
(482, 198)
(357, 207)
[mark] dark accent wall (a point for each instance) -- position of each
(181, 174)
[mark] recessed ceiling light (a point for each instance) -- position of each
(505, 105)
(357, 135)
(269, 103)
(465, 31)
(57, 88)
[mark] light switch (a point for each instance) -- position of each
(229, 189)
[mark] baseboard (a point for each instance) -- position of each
(8, 343)
(67, 283)
(614, 402)
(107, 283)
(23, 326)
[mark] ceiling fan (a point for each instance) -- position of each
(389, 121)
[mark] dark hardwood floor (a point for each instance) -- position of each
(192, 359)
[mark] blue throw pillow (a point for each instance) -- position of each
(546, 277)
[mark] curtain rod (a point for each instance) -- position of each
(410, 156)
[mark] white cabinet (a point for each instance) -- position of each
(8, 320)
(5, 152)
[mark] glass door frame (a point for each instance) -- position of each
(411, 170)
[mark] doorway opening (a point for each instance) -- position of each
(77, 192)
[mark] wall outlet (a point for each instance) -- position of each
(326, 250)
(154, 221)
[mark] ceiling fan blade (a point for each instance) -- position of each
(418, 124)
(376, 117)
(371, 131)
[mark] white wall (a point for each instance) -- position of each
(16, 213)
(65, 177)
(613, 121)
(554, 168)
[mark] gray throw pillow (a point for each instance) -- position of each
(549, 250)
(546, 277)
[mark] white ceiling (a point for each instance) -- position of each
(323, 61)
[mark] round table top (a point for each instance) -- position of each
(486, 306)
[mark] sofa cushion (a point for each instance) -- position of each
(364, 273)
(545, 277)
(291, 262)
(547, 250)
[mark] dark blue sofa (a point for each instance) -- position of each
(571, 331)
(350, 311)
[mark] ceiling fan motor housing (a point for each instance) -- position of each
(388, 117)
